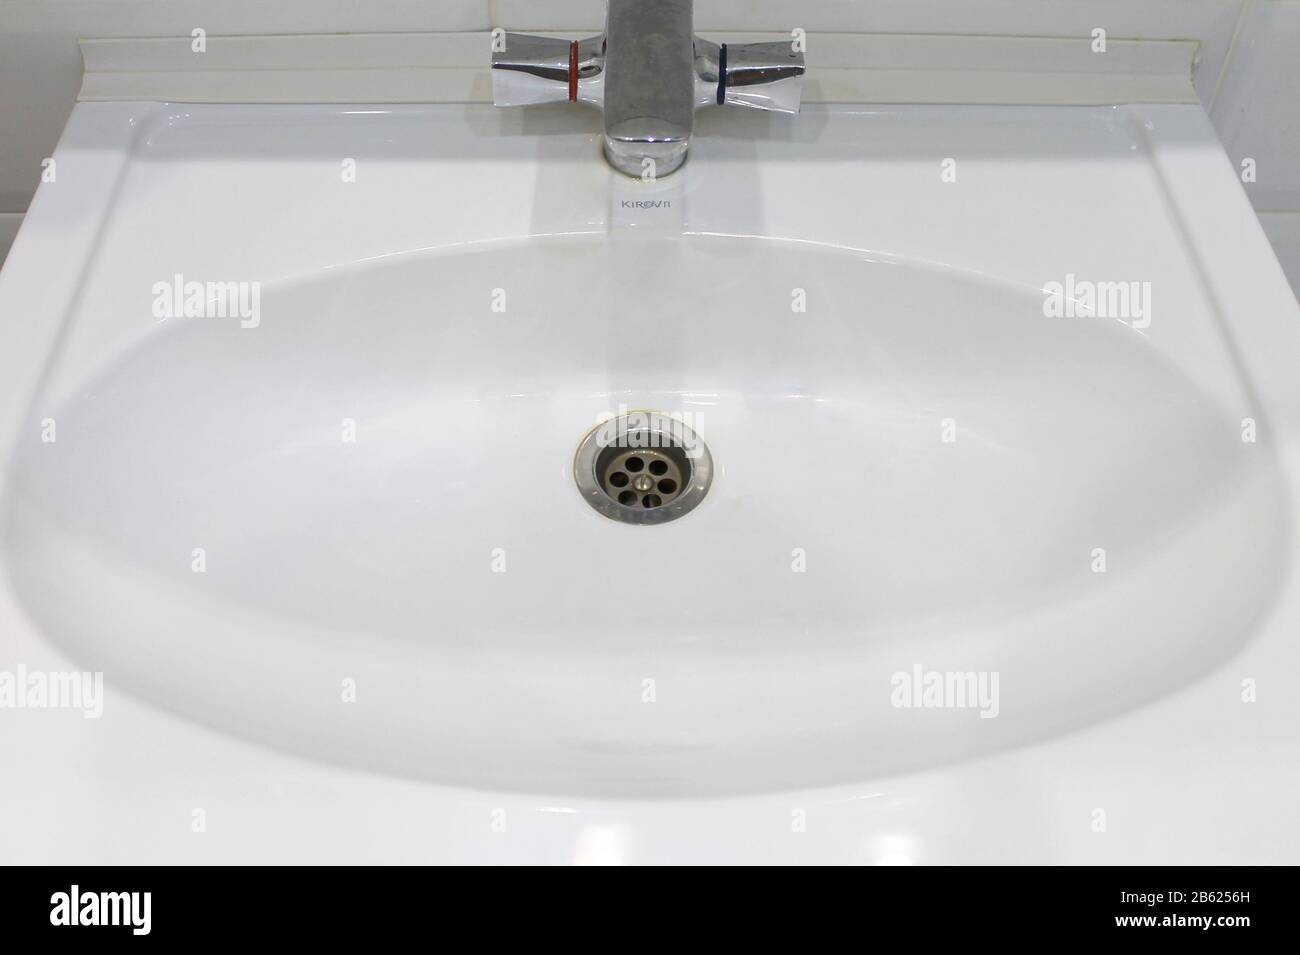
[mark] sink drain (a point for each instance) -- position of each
(643, 468)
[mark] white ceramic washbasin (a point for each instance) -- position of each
(916, 467)
(500, 631)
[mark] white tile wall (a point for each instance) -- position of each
(1256, 112)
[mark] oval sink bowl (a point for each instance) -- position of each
(354, 532)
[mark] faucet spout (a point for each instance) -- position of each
(649, 85)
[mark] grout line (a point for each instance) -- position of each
(1232, 53)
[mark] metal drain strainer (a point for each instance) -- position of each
(643, 467)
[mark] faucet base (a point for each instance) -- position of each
(631, 152)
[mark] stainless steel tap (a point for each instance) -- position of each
(649, 73)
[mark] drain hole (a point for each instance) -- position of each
(645, 470)
(656, 476)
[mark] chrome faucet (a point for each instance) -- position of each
(649, 73)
